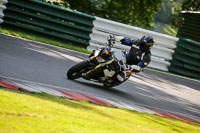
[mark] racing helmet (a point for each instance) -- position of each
(146, 43)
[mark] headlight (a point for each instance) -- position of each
(96, 53)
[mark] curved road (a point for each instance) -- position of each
(36, 62)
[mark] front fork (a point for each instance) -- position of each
(92, 73)
(93, 61)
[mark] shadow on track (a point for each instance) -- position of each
(119, 94)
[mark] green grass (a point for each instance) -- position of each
(22, 112)
(170, 30)
(44, 40)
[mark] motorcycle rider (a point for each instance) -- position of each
(137, 57)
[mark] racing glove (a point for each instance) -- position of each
(141, 64)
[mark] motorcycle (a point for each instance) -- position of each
(103, 66)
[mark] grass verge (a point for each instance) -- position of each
(22, 112)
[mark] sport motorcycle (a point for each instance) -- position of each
(103, 66)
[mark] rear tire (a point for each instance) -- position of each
(74, 71)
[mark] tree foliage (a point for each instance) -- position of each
(133, 12)
(191, 5)
(86, 6)
(168, 10)
(58, 2)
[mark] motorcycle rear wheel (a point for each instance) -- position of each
(74, 71)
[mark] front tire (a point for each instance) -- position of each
(74, 71)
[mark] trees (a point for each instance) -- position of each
(166, 19)
(133, 12)
(191, 5)
(58, 2)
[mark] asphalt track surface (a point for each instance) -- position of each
(41, 63)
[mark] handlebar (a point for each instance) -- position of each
(110, 40)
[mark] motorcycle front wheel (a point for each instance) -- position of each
(75, 71)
